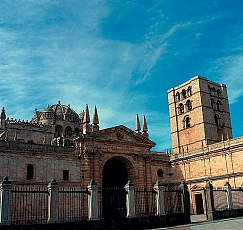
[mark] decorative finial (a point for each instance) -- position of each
(144, 125)
(86, 115)
(95, 116)
(137, 124)
(3, 114)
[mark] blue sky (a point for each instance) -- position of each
(122, 56)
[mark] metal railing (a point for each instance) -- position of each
(220, 199)
(145, 202)
(73, 204)
(112, 203)
(173, 201)
(29, 205)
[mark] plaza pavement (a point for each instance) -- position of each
(228, 224)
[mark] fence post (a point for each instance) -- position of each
(159, 199)
(185, 200)
(210, 201)
(53, 201)
(130, 199)
(229, 198)
(93, 200)
(6, 187)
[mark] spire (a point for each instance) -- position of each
(3, 117)
(137, 125)
(95, 126)
(86, 121)
(86, 115)
(145, 127)
(3, 114)
(95, 116)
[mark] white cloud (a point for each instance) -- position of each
(230, 69)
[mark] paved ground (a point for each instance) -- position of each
(228, 224)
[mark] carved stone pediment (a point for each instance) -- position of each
(121, 134)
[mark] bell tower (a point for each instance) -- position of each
(199, 114)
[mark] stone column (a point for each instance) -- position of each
(159, 199)
(229, 198)
(53, 189)
(5, 189)
(130, 199)
(185, 201)
(93, 200)
(210, 201)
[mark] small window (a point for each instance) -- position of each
(219, 93)
(189, 105)
(213, 92)
(30, 172)
(212, 104)
(160, 173)
(181, 108)
(186, 122)
(68, 131)
(210, 90)
(65, 175)
(217, 120)
(189, 91)
(218, 105)
(178, 97)
(183, 93)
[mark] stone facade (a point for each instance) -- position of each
(203, 147)
(199, 114)
(62, 144)
(36, 151)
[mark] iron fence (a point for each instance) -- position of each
(237, 198)
(29, 205)
(220, 200)
(112, 203)
(172, 201)
(145, 202)
(73, 204)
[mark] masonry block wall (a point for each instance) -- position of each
(199, 114)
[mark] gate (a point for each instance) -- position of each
(112, 203)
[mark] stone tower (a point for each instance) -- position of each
(199, 114)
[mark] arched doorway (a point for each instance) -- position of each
(114, 178)
(114, 174)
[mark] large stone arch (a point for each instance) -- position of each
(122, 163)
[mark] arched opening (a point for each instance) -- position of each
(58, 131)
(189, 105)
(181, 108)
(114, 174)
(68, 131)
(114, 178)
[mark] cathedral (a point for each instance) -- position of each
(63, 144)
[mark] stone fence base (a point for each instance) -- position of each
(126, 224)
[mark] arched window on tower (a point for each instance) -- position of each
(189, 91)
(219, 93)
(213, 92)
(178, 96)
(219, 106)
(183, 92)
(212, 104)
(30, 172)
(189, 105)
(217, 119)
(181, 108)
(186, 122)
